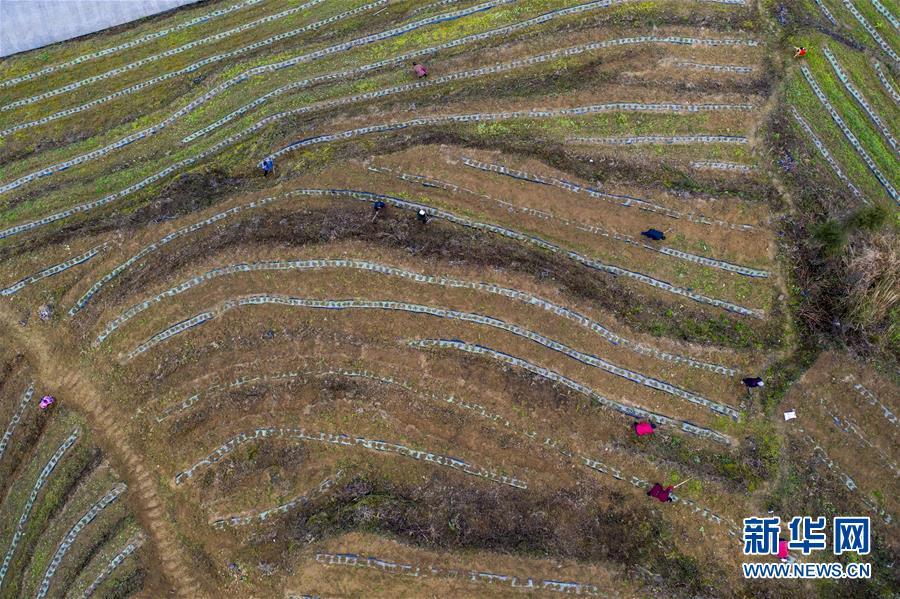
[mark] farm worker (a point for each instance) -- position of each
(644, 428)
(422, 216)
(419, 70)
(47, 401)
(654, 234)
(800, 52)
(377, 207)
(753, 382)
(660, 493)
(782, 549)
(267, 165)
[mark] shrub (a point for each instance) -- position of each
(870, 218)
(830, 237)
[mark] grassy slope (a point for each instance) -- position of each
(103, 182)
(800, 95)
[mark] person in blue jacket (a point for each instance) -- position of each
(267, 166)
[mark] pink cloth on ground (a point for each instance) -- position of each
(643, 428)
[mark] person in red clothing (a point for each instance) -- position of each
(782, 549)
(644, 428)
(419, 70)
(661, 493)
(800, 52)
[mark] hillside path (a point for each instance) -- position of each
(74, 385)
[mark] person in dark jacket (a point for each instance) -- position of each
(753, 382)
(377, 207)
(267, 166)
(654, 234)
(422, 216)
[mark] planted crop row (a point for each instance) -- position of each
(888, 86)
(95, 288)
(452, 283)
(73, 533)
(661, 140)
(622, 200)
(515, 582)
(347, 441)
(191, 401)
(561, 53)
(523, 332)
(628, 410)
(832, 162)
(857, 95)
(848, 133)
(479, 410)
(368, 196)
(845, 424)
(593, 229)
(826, 12)
(522, 296)
(546, 245)
(819, 452)
(642, 484)
(870, 397)
(53, 270)
(886, 13)
(36, 489)
(16, 418)
(188, 69)
(330, 104)
(719, 68)
(713, 165)
(480, 117)
(321, 488)
(241, 134)
(548, 16)
(154, 57)
(114, 563)
(872, 31)
(136, 42)
(432, 6)
(503, 116)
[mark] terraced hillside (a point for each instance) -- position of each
(65, 506)
(268, 387)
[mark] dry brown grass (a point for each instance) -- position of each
(872, 264)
